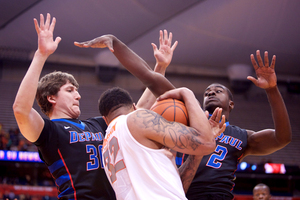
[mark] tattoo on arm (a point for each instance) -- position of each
(188, 170)
(181, 136)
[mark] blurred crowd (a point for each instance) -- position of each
(13, 140)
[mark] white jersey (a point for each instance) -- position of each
(137, 172)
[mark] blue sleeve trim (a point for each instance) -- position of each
(56, 165)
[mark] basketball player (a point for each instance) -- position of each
(215, 176)
(261, 192)
(135, 149)
(69, 147)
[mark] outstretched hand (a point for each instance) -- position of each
(99, 42)
(164, 54)
(46, 44)
(266, 77)
(218, 126)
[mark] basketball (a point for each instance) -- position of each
(171, 110)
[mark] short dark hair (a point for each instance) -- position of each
(49, 85)
(229, 94)
(113, 99)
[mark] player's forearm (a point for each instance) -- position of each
(280, 116)
(199, 121)
(26, 93)
(147, 99)
(188, 170)
(156, 82)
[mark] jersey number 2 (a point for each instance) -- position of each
(214, 159)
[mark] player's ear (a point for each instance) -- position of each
(105, 120)
(134, 106)
(51, 99)
(231, 105)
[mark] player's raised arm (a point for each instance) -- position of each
(163, 56)
(29, 121)
(156, 82)
(269, 140)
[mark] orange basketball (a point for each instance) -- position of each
(171, 110)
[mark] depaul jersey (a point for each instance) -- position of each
(216, 172)
(71, 150)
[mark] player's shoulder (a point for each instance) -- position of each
(96, 122)
(233, 129)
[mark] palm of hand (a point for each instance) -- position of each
(163, 55)
(46, 44)
(266, 77)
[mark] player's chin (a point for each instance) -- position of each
(211, 106)
(76, 113)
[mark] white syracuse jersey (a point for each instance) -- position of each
(138, 172)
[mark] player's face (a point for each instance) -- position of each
(67, 101)
(215, 96)
(261, 193)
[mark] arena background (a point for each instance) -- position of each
(213, 44)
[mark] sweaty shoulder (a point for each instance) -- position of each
(141, 124)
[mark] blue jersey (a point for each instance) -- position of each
(72, 151)
(216, 172)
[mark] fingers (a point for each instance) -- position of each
(36, 25)
(57, 40)
(253, 61)
(154, 47)
(174, 45)
(206, 113)
(273, 62)
(222, 123)
(52, 26)
(160, 38)
(260, 62)
(44, 25)
(223, 128)
(266, 59)
(80, 44)
(47, 24)
(216, 116)
(166, 40)
(251, 78)
(169, 41)
(41, 21)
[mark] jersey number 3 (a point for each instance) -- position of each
(94, 157)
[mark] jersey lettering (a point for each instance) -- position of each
(85, 137)
(226, 139)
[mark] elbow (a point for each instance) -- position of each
(18, 111)
(287, 140)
